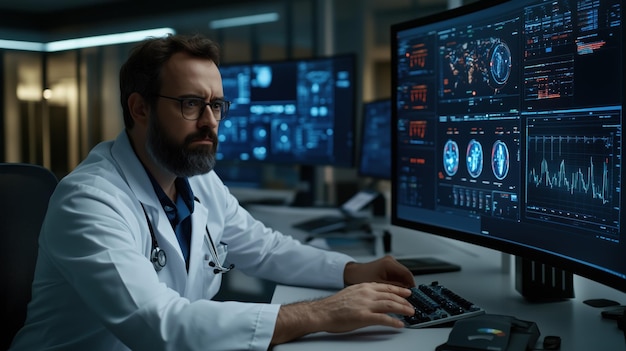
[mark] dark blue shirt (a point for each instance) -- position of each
(179, 213)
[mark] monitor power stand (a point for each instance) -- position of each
(538, 282)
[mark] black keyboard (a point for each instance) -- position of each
(435, 304)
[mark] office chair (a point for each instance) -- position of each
(25, 190)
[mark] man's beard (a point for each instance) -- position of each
(178, 159)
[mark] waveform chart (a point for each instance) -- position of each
(574, 178)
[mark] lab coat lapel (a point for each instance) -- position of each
(198, 251)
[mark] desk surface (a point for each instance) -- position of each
(483, 281)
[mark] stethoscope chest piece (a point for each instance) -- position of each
(158, 258)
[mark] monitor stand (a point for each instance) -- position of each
(538, 282)
(305, 196)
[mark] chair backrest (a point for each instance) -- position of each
(25, 190)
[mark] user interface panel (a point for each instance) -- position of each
(295, 112)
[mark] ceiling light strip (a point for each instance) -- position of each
(244, 20)
(21, 45)
(80, 43)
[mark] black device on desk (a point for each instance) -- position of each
(349, 217)
(491, 332)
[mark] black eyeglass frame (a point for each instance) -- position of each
(224, 107)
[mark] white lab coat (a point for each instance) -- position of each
(95, 289)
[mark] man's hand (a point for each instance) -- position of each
(383, 270)
(354, 307)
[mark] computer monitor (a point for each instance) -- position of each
(240, 174)
(375, 140)
(290, 112)
(508, 119)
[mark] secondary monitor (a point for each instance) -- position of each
(507, 130)
(290, 112)
(375, 140)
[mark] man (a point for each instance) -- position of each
(136, 237)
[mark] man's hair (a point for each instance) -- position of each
(141, 73)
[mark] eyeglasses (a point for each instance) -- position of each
(192, 107)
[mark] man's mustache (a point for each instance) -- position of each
(201, 135)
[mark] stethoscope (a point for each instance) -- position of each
(159, 258)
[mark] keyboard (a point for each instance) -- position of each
(435, 304)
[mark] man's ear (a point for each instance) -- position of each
(139, 109)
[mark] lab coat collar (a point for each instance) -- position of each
(133, 171)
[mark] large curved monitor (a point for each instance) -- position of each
(290, 112)
(508, 119)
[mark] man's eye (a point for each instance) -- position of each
(191, 103)
(217, 105)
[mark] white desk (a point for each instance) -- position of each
(482, 281)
